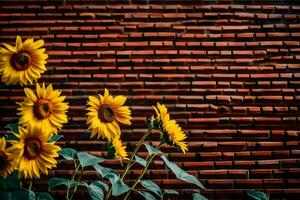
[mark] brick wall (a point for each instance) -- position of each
(228, 70)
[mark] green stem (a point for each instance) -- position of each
(134, 152)
(73, 177)
(30, 185)
(129, 165)
(143, 173)
(77, 183)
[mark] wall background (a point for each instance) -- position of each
(228, 71)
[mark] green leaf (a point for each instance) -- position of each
(118, 186)
(11, 136)
(96, 191)
(181, 174)
(2, 85)
(170, 192)
(140, 160)
(44, 196)
(153, 187)
(147, 195)
(152, 150)
(83, 184)
(54, 182)
(54, 138)
(104, 171)
(11, 182)
(68, 153)
(102, 185)
(197, 196)
(86, 159)
(14, 127)
(19, 194)
(258, 195)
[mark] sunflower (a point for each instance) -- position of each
(161, 111)
(8, 158)
(105, 114)
(172, 132)
(37, 155)
(22, 63)
(43, 109)
(118, 149)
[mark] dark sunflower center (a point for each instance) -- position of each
(20, 61)
(106, 114)
(32, 148)
(3, 160)
(42, 108)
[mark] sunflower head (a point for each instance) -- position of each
(45, 108)
(161, 111)
(22, 63)
(117, 150)
(105, 113)
(37, 155)
(8, 158)
(172, 133)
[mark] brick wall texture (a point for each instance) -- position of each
(227, 69)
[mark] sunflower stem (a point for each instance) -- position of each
(77, 183)
(30, 185)
(142, 174)
(73, 178)
(129, 165)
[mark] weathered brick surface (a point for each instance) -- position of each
(228, 70)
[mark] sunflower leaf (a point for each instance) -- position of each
(19, 194)
(54, 182)
(140, 160)
(11, 182)
(68, 153)
(104, 171)
(197, 196)
(14, 127)
(44, 196)
(2, 85)
(170, 192)
(147, 195)
(102, 185)
(181, 174)
(153, 187)
(11, 136)
(86, 159)
(96, 192)
(258, 195)
(119, 187)
(55, 138)
(152, 150)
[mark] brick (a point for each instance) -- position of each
(227, 72)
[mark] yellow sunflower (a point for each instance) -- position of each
(37, 155)
(43, 109)
(22, 63)
(8, 158)
(172, 132)
(119, 150)
(161, 111)
(105, 114)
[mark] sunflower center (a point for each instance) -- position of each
(42, 108)
(20, 61)
(3, 160)
(32, 148)
(106, 114)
